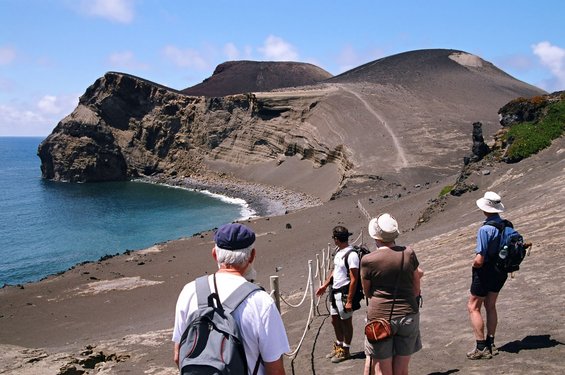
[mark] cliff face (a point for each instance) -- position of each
(127, 127)
(405, 119)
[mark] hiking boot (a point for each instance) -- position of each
(493, 349)
(341, 355)
(333, 352)
(479, 354)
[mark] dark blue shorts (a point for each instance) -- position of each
(487, 279)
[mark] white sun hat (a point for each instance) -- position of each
(491, 203)
(384, 228)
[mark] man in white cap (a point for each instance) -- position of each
(260, 324)
(487, 281)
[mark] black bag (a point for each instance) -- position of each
(211, 343)
(358, 296)
(511, 247)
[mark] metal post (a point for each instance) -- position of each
(275, 287)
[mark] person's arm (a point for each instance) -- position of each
(418, 274)
(274, 368)
(176, 353)
(354, 277)
(478, 261)
(366, 284)
(322, 289)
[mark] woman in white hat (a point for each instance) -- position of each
(390, 276)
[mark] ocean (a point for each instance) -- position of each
(47, 227)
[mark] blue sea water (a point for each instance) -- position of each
(47, 227)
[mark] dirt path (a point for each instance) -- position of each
(403, 162)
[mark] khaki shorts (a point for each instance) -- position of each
(405, 340)
(337, 304)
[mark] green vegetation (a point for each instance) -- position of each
(528, 138)
(446, 190)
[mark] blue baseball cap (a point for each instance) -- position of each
(234, 237)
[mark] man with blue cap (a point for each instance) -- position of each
(260, 324)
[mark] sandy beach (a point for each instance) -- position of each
(115, 316)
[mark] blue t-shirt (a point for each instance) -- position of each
(487, 238)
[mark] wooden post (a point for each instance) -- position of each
(311, 282)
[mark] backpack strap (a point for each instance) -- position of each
(239, 295)
(203, 291)
(345, 260)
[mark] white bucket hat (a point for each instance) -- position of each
(491, 203)
(384, 228)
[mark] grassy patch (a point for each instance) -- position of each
(446, 190)
(529, 138)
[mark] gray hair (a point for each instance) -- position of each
(233, 257)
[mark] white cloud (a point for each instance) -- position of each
(7, 55)
(48, 104)
(26, 119)
(121, 11)
(187, 58)
(125, 59)
(276, 49)
(552, 57)
(231, 51)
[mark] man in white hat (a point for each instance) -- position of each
(487, 281)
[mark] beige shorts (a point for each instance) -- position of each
(337, 305)
(404, 341)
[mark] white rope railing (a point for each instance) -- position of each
(305, 293)
(323, 266)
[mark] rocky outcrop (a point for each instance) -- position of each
(127, 127)
(527, 109)
(408, 113)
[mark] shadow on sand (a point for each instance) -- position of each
(444, 372)
(530, 343)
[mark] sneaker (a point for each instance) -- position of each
(341, 355)
(479, 354)
(493, 349)
(333, 352)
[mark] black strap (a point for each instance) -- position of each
(256, 369)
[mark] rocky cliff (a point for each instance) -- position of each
(416, 118)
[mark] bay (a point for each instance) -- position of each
(47, 227)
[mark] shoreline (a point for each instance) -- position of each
(256, 199)
(263, 200)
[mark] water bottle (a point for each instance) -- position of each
(503, 252)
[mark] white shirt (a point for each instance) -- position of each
(261, 327)
(340, 275)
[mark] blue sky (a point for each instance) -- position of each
(52, 50)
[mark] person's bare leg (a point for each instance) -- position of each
(400, 364)
(492, 315)
(347, 330)
(477, 323)
(336, 322)
(382, 366)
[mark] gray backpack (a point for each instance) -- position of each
(211, 343)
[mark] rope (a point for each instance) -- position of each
(303, 297)
(308, 321)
